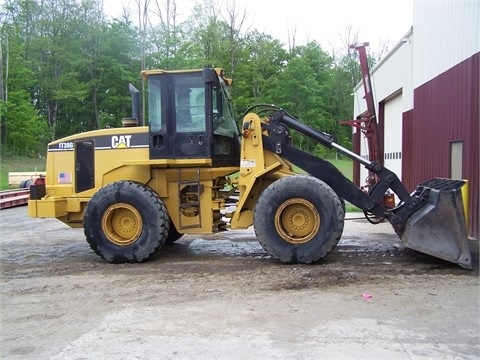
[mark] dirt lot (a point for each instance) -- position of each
(223, 297)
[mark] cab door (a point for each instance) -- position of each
(177, 116)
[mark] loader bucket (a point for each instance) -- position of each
(439, 228)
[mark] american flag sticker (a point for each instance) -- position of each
(64, 178)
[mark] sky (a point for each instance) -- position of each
(376, 21)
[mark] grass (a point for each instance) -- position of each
(345, 166)
(18, 164)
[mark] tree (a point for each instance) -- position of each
(235, 19)
(303, 88)
(165, 37)
(92, 48)
(27, 132)
(69, 67)
(23, 130)
(120, 64)
(262, 60)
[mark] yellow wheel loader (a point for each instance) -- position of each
(193, 170)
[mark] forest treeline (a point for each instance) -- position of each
(66, 66)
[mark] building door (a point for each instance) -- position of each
(393, 135)
(456, 160)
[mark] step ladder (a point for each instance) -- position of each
(184, 201)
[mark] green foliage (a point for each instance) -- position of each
(27, 134)
(262, 59)
(305, 90)
(66, 69)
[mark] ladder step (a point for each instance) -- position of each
(197, 192)
(188, 182)
(185, 206)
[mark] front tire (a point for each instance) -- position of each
(125, 222)
(299, 219)
(173, 234)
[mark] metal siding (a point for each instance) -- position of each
(356, 164)
(395, 75)
(446, 110)
(445, 34)
(472, 158)
(407, 151)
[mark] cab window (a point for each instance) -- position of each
(156, 119)
(190, 104)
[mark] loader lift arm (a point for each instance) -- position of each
(430, 219)
(372, 202)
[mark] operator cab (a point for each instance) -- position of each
(190, 116)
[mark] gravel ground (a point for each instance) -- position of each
(223, 297)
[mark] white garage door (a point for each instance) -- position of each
(393, 135)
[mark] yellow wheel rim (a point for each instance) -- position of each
(297, 221)
(122, 224)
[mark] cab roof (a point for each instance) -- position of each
(146, 73)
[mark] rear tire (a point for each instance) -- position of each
(125, 222)
(299, 219)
